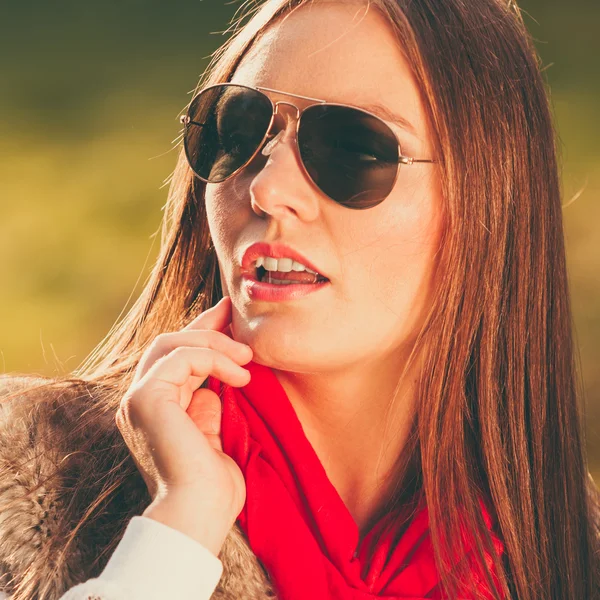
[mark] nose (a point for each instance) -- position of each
(282, 188)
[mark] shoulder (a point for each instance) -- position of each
(19, 410)
(48, 467)
(48, 424)
(68, 488)
(37, 415)
(16, 386)
(35, 402)
(19, 392)
(34, 409)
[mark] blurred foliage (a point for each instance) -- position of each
(90, 94)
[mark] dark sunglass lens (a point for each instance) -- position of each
(227, 124)
(350, 155)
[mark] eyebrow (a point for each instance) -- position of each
(387, 114)
(383, 111)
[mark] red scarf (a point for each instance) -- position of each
(294, 518)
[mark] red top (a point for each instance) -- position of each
(295, 520)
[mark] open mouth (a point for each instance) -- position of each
(287, 278)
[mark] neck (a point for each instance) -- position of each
(358, 423)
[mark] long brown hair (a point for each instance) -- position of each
(501, 411)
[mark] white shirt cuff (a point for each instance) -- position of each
(154, 561)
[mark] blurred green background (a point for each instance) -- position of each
(89, 98)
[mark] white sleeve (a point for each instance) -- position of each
(151, 562)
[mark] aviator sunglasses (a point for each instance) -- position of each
(350, 154)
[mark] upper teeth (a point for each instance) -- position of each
(285, 265)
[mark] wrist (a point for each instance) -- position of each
(207, 527)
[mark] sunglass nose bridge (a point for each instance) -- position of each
(268, 148)
(288, 104)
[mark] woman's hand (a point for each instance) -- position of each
(172, 428)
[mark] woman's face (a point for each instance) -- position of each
(379, 260)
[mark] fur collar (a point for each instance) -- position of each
(48, 485)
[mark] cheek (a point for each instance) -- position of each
(224, 214)
(399, 245)
(227, 205)
(401, 273)
(216, 208)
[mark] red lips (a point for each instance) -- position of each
(274, 250)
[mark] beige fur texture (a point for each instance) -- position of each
(47, 485)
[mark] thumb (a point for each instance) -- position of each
(205, 410)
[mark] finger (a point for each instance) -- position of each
(166, 343)
(205, 411)
(207, 338)
(178, 366)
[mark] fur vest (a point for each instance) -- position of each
(52, 492)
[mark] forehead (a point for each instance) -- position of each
(339, 52)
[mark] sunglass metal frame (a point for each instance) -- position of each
(402, 159)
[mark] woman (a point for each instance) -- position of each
(407, 422)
